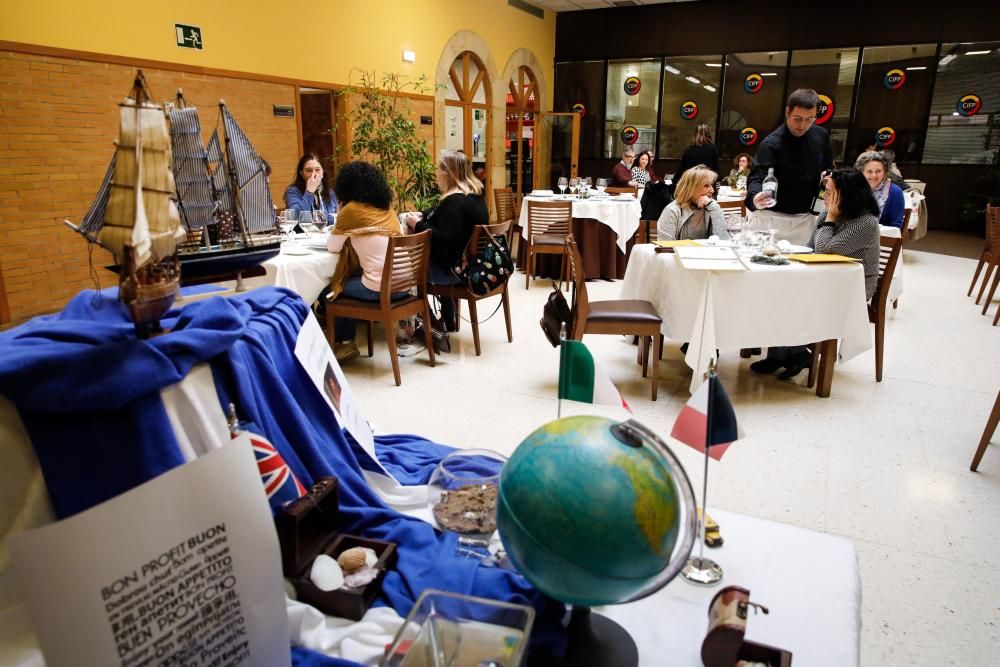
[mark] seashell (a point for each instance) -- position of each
(352, 559)
(770, 250)
(326, 574)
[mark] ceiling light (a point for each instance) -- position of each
(409, 57)
(954, 113)
(672, 70)
(713, 64)
(769, 74)
(976, 53)
(692, 79)
(710, 89)
(915, 69)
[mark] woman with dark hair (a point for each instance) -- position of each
(642, 169)
(701, 151)
(848, 226)
(461, 208)
(361, 236)
(310, 190)
(888, 195)
(737, 178)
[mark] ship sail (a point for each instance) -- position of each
(217, 167)
(194, 189)
(256, 209)
(92, 221)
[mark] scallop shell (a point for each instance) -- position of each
(352, 559)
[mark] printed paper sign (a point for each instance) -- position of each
(182, 570)
(314, 353)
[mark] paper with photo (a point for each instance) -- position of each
(184, 569)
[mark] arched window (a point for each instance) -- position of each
(467, 110)
(522, 100)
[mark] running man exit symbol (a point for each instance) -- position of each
(188, 36)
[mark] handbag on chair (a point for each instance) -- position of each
(487, 269)
(555, 314)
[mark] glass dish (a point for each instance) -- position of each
(463, 492)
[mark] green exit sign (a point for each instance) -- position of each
(188, 36)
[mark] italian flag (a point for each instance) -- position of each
(581, 379)
(708, 418)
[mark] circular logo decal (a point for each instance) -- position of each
(629, 135)
(885, 136)
(824, 111)
(748, 136)
(894, 79)
(632, 85)
(580, 109)
(969, 105)
(754, 83)
(689, 110)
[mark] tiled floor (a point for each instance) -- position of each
(886, 465)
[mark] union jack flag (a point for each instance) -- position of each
(280, 483)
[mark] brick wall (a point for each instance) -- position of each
(58, 119)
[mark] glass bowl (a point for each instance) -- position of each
(463, 492)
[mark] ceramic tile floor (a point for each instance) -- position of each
(886, 465)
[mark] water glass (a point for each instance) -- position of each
(562, 183)
(305, 220)
(602, 183)
(574, 183)
(319, 221)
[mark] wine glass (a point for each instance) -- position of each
(305, 220)
(574, 183)
(319, 221)
(288, 220)
(587, 183)
(602, 183)
(562, 183)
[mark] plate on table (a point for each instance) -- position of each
(295, 249)
(541, 193)
(791, 248)
(317, 243)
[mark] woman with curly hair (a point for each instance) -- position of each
(737, 178)
(361, 236)
(889, 197)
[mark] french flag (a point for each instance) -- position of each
(708, 418)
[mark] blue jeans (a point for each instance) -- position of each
(439, 276)
(345, 328)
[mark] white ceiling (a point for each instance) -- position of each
(576, 5)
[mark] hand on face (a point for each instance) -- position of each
(314, 181)
(832, 199)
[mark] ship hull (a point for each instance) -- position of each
(223, 263)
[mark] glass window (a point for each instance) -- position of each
(892, 100)
(753, 102)
(966, 99)
(831, 73)
(580, 87)
(690, 98)
(632, 106)
(520, 130)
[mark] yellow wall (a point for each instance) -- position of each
(321, 40)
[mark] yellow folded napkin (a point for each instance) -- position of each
(685, 243)
(820, 258)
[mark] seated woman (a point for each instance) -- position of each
(737, 178)
(888, 195)
(361, 236)
(461, 208)
(849, 227)
(642, 170)
(310, 190)
(693, 214)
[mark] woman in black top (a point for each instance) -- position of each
(461, 208)
(701, 151)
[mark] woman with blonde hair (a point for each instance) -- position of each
(461, 208)
(693, 214)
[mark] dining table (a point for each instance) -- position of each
(304, 266)
(603, 226)
(762, 305)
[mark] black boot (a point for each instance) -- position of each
(795, 365)
(766, 366)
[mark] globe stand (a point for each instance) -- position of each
(594, 641)
(703, 571)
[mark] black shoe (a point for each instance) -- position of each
(684, 348)
(766, 366)
(747, 352)
(795, 365)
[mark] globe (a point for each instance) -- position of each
(593, 511)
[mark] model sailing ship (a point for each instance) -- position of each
(221, 194)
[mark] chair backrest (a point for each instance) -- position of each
(888, 256)
(405, 266)
(919, 186)
(580, 304)
(616, 190)
(906, 220)
(992, 227)
(482, 233)
(505, 206)
(730, 207)
(549, 217)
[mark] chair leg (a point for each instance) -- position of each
(975, 276)
(986, 279)
(390, 338)
(527, 268)
(474, 318)
(428, 338)
(371, 339)
(660, 355)
(828, 354)
(991, 427)
(993, 290)
(458, 314)
(996, 318)
(506, 313)
(813, 366)
(895, 304)
(879, 346)
(329, 326)
(644, 348)
(657, 351)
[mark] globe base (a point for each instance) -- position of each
(703, 571)
(594, 641)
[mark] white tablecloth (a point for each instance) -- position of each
(620, 215)
(764, 306)
(307, 274)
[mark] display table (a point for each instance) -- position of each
(766, 305)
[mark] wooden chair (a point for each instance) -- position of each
(549, 223)
(480, 236)
(731, 207)
(405, 268)
(646, 233)
(889, 253)
(991, 427)
(993, 233)
(902, 235)
(621, 317)
(621, 190)
(988, 257)
(507, 211)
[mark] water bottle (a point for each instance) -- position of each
(771, 188)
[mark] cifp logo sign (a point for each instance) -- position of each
(894, 79)
(754, 83)
(824, 110)
(689, 110)
(748, 136)
(580, 109)
(885, 136)
(629, 135)
(632, 85)
(969, 105)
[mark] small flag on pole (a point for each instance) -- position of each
(697, 424)
(581, 379)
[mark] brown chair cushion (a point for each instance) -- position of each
(626, 309)
(548, 239)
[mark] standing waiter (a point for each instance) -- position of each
(800, 153)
